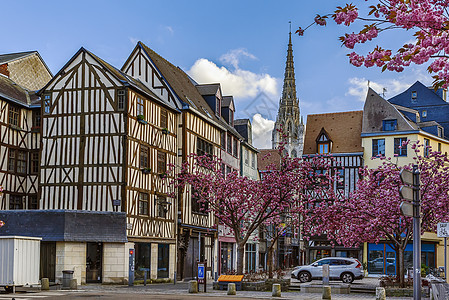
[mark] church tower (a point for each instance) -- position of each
(289, 118)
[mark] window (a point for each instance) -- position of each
(414, 94)
(164, 117)
(163, 261)
(15, 202)
(246, 157)
(203, 147)
(389, 125)
(121, 97)
(236, 151)
(12, 160)
(439, 147)
(140, 107)
(143, 204)
(36, 118)
(47, 103)
(34, 159)
(426, 147)
(250, 253)
(424, 114)
(143, 157)
(14, 115)
(440, 132)
(17, 161)
(378, 147)
(340, 178)
(231, 117)
(161, 162)
(217, 106)
(253, 161)
(223, 140)
(323, 148)
(229, 144)
(198, 205)
(399, 148)
(33, 202)
(162, 207)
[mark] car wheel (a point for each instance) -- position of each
(304, 276)
(347, 277)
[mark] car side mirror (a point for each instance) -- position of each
(315, 265)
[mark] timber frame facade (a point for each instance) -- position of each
(107, 141)
(20, 117)
(198, 132)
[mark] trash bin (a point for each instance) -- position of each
(67, 275)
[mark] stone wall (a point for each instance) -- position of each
(116, 262)
(71, 256)
(29, 72)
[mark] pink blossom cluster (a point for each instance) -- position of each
(353, 38)
(346, 15)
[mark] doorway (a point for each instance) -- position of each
(94, 262)
(48, 261)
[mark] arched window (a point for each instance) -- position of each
(294, 153)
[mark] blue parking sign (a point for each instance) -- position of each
(200, 271)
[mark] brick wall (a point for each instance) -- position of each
(4, 69)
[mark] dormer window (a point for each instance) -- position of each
(424, 113)
(323, 143)
(389, 125)
(440, 132)
(217, 106)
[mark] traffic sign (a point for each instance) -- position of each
(406, 192)
(406, 176)
(407, 209)
(443, 230)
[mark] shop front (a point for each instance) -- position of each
(382, 258)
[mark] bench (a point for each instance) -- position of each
(223, 281)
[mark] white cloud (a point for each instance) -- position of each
(262, 129)
(170, 29)
(237, 82)
(133, 40)
(359, 86)
(233, 57)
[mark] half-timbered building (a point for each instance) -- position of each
(338, 136)
(198, 132)
(20, 117)
(107, 141)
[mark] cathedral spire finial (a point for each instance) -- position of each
(290, 33)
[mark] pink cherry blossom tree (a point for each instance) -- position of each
(238, 202)
(372, 213)
(427, 19)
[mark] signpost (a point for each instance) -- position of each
(131, 268)
(443, 231)
(202, 274)
(411, 207)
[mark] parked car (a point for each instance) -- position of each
(340, 268)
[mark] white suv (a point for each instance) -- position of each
(340, 268)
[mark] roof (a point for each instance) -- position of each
(13, 92)
(343, 128)
(267, 157)
(377, 109)
(181, 83)
(241, 122)
(6, 58)
(208, 89)
(228, 101)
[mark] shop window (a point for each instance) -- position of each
(250, 257)
(33, 202)
(142, 259)
(163, 258)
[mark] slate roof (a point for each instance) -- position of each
(343, 128)
(6, 58)
(266, 157)
(227, 100)
(180, 83)
(208, 89)
(14, 92)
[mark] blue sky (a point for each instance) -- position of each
(241, 44)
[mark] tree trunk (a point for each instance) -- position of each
(270, 262)
(401, 267)
(240, 256)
